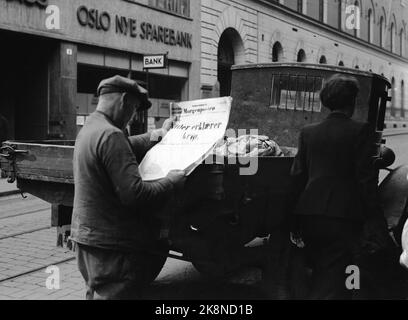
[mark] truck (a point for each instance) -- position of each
(224, 219)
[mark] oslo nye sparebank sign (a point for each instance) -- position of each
(103, 21)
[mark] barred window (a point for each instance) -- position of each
(296, 92)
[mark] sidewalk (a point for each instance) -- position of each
(7, 189)
(394, 132)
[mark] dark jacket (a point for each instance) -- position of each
(111, 200)
(334, 170)
(3, 129)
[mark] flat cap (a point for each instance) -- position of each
(121, 84)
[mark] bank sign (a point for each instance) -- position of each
(158, 61)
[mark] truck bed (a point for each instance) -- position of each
(49, 161)
(45, 170)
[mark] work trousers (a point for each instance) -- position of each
(330, 246)
(115, 275)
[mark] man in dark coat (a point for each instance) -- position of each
(3, 129)
(3, 136)
(337, 189)
(113, 221)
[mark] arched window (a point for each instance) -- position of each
(392, 37)
(323, 60)
(382, 31)
(301, 56)
(277, 52)
(402, 42)
(402, 99)
(370, 28)
(341, 63)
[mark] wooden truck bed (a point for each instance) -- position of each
(44, 169)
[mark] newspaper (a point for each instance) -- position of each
(200, 125)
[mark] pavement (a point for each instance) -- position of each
(394, 132)
(7, 188)
(28, 248)
(33, 286)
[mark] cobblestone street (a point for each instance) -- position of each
(28, 247)
(33, 285)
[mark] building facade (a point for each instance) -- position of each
(55, 52)
(369, 35)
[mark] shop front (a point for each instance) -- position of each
(56, 52)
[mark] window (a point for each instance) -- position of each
(300, 6)
(340, 13)
(402, 99)
(382, 31)
(301, 56)
(392, 37)
(357, 12)
(370, 28)
(323, 60)
(180, 7)
(321, 10)
(402, 43)
(341, 63)
(277, 52)
(296, 92)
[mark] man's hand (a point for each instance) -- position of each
(159, 134)
(177, 178)
(297, 240)
(168, 124)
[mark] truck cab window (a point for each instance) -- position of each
(296, 92)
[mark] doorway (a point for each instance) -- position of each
(24, 82)
(230, 51)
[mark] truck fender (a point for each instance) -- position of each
(393, 193)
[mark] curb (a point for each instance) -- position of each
(9, 193)
(397, 133)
